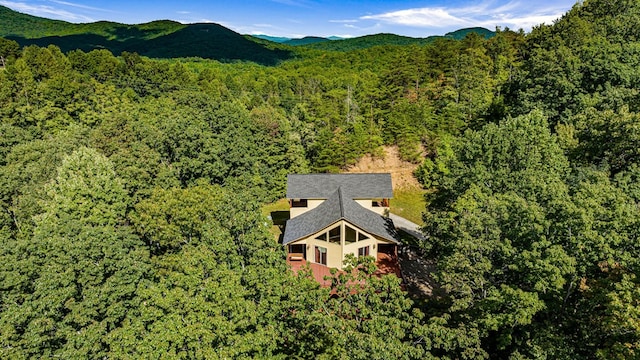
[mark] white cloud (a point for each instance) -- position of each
(491, 13)
(524, 22)
(80, 6)
(423, 17)
(46, 11)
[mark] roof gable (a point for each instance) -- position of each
(338, 206)
(354, 186)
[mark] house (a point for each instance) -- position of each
(332, 215)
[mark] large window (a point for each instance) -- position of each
(350, 235)
(334, 235)
(362, 237)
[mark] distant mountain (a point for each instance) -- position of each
(460, 34)
(297, 41)
(158, 39)
(307, 40)
(33, 27)
(368, 41)
(170, 39)
(276, 39)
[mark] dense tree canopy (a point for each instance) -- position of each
(130, 194)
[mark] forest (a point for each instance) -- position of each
(131, 191)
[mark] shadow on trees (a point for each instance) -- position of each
(207, 41)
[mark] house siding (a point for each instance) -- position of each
(368, 204)
(311, 204)
(314, 203)
(336, 253)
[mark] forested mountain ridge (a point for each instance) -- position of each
(130, 193)
(158, 39)
(32, 27)
(170, 39)
(368, 41)
(375, 40)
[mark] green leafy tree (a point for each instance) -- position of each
(489, 220)
(606, 138)
(29, 165)
(9, 51)
(75, 280)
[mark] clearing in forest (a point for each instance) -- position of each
(408, 195)
(401, 171)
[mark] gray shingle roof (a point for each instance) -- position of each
(339, 206)
(355, 186)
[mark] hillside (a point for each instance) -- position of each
(170, 39)
(461, 33)
(307, 40)
(368, 41)
(157, 39)
(13, 23)
(401, 171)
(131, 192)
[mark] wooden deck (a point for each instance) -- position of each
(386, 264)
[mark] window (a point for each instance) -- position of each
(362, 237)
(363, 251)
(380, 203)
(334, 235)
(297, 252)
(299, 203)
(296, 248)
(321, 255)
(349, 235)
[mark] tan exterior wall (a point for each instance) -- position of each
(353, 248)
(367, 204)
(336, 253)
(311, 204)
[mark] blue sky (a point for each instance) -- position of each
(298, 18)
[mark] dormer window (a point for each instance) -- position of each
(299, 203)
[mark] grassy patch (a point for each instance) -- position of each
(280, 205)
(279, 213)
(409, 203)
